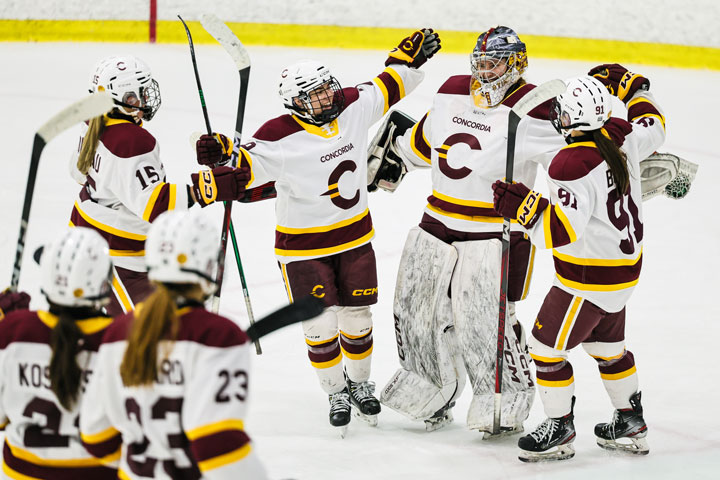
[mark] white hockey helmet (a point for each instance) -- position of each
(183, 247)
(499, 45)
(75, 269)
(585, 105)
(311, 92)
(129, 81)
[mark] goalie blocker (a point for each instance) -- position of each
(385, 167)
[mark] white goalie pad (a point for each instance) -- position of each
(430, 377)
(667, 174)
(475, 294)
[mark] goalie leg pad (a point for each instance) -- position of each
(430, 377)
(475, 290)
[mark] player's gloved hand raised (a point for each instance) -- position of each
(415, 49)
(10, 301)
(213, 149)
(619, 81)
(219, 184)
(517, 202)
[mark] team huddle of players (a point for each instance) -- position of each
(128, 376)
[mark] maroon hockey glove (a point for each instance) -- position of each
(213, 149)
(10, 301)
(415, 49)
(219, 184)
(517, 202)
(619, 81)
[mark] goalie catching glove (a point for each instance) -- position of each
(219, 184)
(517, 202)
(213, 149)
(385, 167)
(619, 81)
(415, 49)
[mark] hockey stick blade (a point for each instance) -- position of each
(303, 309)
(537, 96)
(84, 109)
(225, 37)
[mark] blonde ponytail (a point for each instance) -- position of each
(90, 143)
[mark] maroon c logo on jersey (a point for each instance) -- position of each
(445, 168)
(334, 193)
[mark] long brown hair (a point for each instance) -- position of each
(615, 158)
(65, 342)
(155, 320)
(90, 143)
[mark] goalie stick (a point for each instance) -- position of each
(530, 101)
(225, 37)
(84, 109)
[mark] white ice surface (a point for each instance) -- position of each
(672, 318)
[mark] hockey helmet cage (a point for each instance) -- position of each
(183, 247)
(311, 92)
(585, 105)
(499, 45)
(129, 81)
(75, 269)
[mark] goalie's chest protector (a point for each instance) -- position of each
(468, 147)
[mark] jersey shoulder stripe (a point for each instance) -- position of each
(575, 161)
(541, 112)
(456, 85)
(23, 326)
(277, 129)
(126, 140)
(351, 95)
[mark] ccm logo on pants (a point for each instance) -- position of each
(368, 291)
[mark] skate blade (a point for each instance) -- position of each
(342, 430)
(562, 452)
(504, 432)
(637, 446)
(437, 423)
(371, 420)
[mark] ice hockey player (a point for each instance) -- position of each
(46, 358)
(173, 379)
(593, 221)
(324, 227)
(124, 182)
(447, 294)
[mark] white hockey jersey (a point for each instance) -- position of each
(189, 423)
(42, 438)
(466, 147)
(320, 172)
(124, 190)
(596, 234)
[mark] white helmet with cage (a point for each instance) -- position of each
(585, 105)
(75, 269)
(129, 81)
(498, 61)
(183, 247)
(311, 92)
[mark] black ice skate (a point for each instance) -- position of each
(366, 405)
(627, 430)
(340, 409)
(440, 418)
(551, 440)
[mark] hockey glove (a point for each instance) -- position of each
(213, 149)
(10, 301)
(389, 173)
(619, 81)
(415, 49)
(517, 202)
(219, 184)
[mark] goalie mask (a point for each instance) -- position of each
(311, 92)
(129, 81)
(497, 62)
(75, 269)
(183, 247)
(585, 105)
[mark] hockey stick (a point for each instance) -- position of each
(303, 309)
(84, 109)
(225, 37)
(530, 101)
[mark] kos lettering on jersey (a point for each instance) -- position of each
(340, 151)
(471, 124)
(38, 376)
